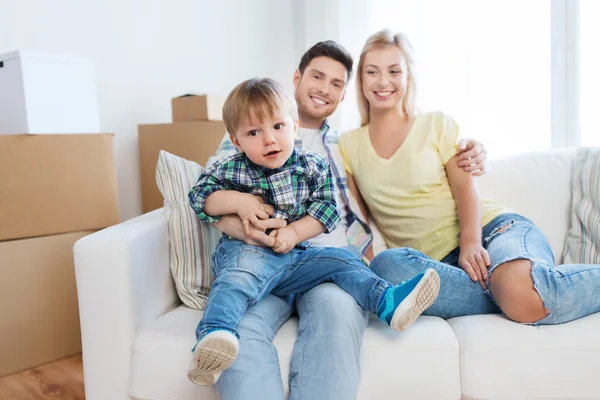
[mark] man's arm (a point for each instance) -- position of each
(472, 156)
(232, 225)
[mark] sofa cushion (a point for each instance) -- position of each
(501, 359)
(422, 362)
(583, 241)
(538, 186)
(191, 242)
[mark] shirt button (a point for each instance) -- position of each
(276, 184)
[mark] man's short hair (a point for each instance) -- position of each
(330, 49)
(256, 98)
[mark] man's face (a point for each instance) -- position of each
(320, 89)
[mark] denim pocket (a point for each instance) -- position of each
(252, 260)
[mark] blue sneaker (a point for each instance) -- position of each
(401, 305)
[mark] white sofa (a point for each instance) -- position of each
(137, 335)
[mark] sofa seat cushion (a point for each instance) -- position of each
(501, 359)
(422, 362)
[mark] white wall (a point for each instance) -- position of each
(147, 51)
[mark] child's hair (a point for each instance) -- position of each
(330, 49)
(257, 98)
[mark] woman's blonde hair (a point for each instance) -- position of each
(383, 39)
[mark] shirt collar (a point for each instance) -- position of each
(257, 171)
(324, 128)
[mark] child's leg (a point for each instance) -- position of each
(398, 306)
(244, 274)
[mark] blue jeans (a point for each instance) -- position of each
(568, 291)
(326, 357)
(244, 274)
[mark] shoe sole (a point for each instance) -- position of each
(202, 379)
(213, 355)
(419, 300)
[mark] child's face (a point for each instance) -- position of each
(268, 143)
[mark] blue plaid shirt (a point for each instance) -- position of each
(301, 186)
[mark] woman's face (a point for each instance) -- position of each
(384, 76)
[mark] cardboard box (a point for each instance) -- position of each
(39, 315)
(56, 183)
(44, 93)
(195, 141)
(201, 107)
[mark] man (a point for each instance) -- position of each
(326, 357)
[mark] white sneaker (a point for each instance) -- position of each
(417, 301)
(214, 353)
(204, 379)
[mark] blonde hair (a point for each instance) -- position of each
(258, 98)
(379, 40)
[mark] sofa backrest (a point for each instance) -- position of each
(538, 186)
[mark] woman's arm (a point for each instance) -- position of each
(473, 258)
(362, 205)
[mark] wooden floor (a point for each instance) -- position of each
(60, 380)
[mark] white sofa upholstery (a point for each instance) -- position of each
(137, 336)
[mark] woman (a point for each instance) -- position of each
(430, 213)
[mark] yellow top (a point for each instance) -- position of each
(409, 194)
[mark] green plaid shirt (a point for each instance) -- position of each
(302, 186)
(358, 232)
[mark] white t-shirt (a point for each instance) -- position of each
(312, 141)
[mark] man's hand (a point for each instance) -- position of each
(252, 210)
(285, 239)
(472, 156)
(475, 260)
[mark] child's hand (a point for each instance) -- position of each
(285, 239)
(475, 260)
(251, 210)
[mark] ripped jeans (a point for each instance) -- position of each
(568, 291)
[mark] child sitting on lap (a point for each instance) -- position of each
(262, 120)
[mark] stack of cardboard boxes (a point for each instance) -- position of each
(195, 134)
(54, 189)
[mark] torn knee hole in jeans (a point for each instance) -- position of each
(499, 230)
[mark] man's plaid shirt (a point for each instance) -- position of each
(302, 186)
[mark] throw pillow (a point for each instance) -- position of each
(583, 241)
(191, 242)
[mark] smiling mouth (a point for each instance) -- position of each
(319, 101)
(384, 94)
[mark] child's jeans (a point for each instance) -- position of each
(244, 274)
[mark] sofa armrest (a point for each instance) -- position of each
(123, 283)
